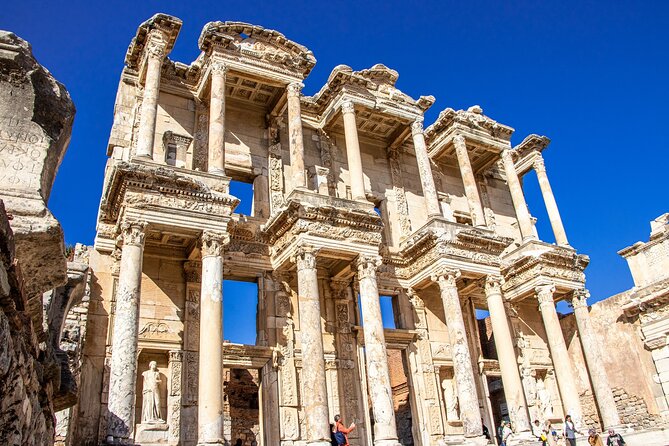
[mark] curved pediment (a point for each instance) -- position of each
(256, 43)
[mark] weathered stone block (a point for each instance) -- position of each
(36, 115)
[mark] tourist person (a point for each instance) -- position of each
(551, 435)
(500, 429)
(614, 439)
(570, 431)
(486, 432)
(594, 438)
(341, 432)
(506, 433)
(238, 442)
(538, 432)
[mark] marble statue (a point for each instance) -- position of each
(151, 400)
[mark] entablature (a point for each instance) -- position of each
(536, 263)
(444, 244)
(164, 26)
(528, 152)
(484, 138)
(339, 228)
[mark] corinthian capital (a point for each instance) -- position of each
(367, 266)
(305, 257)
(459, 142)
(218, 68)
(493, 284)
(545, 294)
(156, 48)
(417, 126)
(446, 277)
(347, 107)
(133, 232)
(579, 299)
(538, 164)
(294, 89)
(213, 243)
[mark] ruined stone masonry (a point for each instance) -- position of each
(355, 200)
(37, 284)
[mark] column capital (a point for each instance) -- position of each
(459, 141)
(305, 257)
(213, 243)
(367, 265)
(156, 48)
(347, 107)
(414, 298)
(446, 277)
(538, 164)
(133, 232)
(417, 127)
(545, 293)
(218, 67)
(493, 284)
(579, 298)
(294, 89)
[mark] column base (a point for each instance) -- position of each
(216, 171)
(115, 441)
(460, 439)
(387, 443)
(217, 442)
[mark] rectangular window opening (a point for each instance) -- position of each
(240, 308)
(243, 190)
(387, 312)
(486, 338)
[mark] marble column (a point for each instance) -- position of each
(210, 388)
(123, 368)
(315, 397)
(559, 354)
(596, 369)
(425, 170)
(155, 52)
(469, 181)
(353, 152)
(462, 363)
(296, 139)
(517, 196)
(378, 376)
(549, 200)
(513, 387)
(216, 152)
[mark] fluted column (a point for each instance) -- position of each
(517, 196)
(424, 169)
(296, 139)
(155, 52)
(378, 376)
(210, 387)
(315, 397)
(353, 151)
(596, 369)
(513, 387)
(559, 354)
(462, 363)
(123, 368)
(549, 200)
(469, 181)
(216, 152)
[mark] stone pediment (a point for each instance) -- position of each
(473, 119)
(252, 43)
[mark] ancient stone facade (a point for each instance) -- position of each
(353, 198)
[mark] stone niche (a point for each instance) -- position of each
(154, 432)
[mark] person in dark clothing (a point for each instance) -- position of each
(614, 439)
(486, 432)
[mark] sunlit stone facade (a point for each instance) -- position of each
(354, 197)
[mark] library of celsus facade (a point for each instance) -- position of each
(355, 200)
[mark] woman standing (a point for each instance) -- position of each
(570, 431)
(340, 432)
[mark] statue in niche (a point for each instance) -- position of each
(151, 401)
(451, 399)
(544, 400)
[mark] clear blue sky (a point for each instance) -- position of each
(592, 76)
